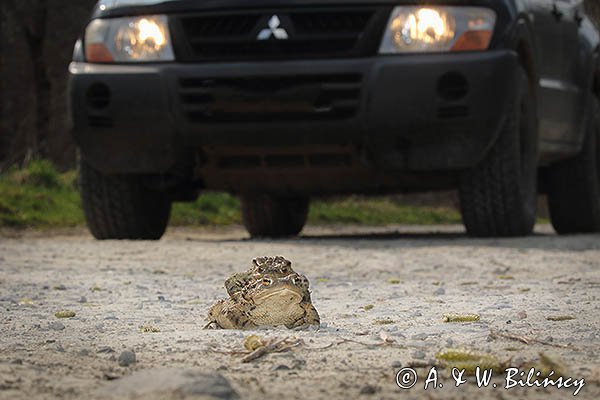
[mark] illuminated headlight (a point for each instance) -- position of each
(131, 39)
(438, 29)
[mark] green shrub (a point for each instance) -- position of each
(41, 173)
(39, 196)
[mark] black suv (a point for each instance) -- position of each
(278, 101)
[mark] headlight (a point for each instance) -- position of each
(130, 39)
(438, 29)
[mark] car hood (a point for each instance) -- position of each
(108, 8)
(108, 4)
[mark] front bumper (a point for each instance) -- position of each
(407, 113)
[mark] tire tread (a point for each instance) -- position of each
(120, 207)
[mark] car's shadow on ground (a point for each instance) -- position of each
(385, 238)
(539, 240)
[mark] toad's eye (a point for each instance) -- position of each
(267, 281)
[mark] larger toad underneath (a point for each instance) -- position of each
(270, 293)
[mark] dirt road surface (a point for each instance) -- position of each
(381, 293)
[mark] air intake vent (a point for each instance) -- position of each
(313, 23)
(98, 96)
(286, 161)
(218, 26)
(453, 86)
(268, 99)
(308, 33)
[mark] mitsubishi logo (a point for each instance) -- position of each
(273, 30)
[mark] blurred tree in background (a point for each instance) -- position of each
(593, 7)
(35, 50)
(37, 38)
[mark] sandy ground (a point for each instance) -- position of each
(411, 277)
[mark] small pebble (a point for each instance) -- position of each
(440, 291)
(82, 299)
(57, 326)
(127, 358)
(83, 353)
(397, 364)
(419, 354)
(368, 389)
(522, 315)
(60, 287)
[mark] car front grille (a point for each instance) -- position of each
(309, 33)
(270, 99)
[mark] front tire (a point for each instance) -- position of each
(121, 207)
(274, 216)
(498, 197)
(574, 185)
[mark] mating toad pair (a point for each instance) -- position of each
(270, 293)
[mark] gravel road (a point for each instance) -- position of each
(381, 292)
